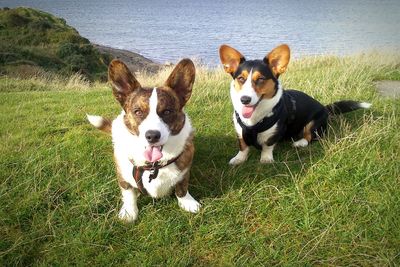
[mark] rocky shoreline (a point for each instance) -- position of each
(134, 61)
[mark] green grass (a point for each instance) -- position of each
(336, 202)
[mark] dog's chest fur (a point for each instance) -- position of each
(129, 147)
(265, 107)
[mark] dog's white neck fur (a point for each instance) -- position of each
(264, 108)
(132, 146)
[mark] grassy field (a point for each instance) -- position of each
(336, 202)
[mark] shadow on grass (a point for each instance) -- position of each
(212, 176)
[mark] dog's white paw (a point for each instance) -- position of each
(267, 154)
(238, 159)
(300, 143)
(128, 214)
(266, 159)
(188, 203)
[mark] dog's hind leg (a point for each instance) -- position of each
(319, 126)
(306, 135)
(313, 130)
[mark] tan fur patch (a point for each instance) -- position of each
(242, 144)
(307, 134)
(262, 86)
(237, 83)
(267, 89)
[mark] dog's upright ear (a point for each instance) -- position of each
(278, 59)
(230, 58)
(122, 80)
(181, 80)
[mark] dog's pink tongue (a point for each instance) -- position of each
(153, 153)
(247, 111)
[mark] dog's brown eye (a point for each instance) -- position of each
(241, 79)
(138, 112)
(260, 80)
(167, 112)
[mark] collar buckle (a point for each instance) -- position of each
(153, 171)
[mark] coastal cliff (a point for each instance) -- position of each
(33, 41)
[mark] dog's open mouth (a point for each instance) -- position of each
(153, 153)
(247, 111)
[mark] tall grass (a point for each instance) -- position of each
(45, 81)
(336, 202)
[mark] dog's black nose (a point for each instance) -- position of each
(152, 136)
(245, 99)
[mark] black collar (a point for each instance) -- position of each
(249, 133)
(138, 171)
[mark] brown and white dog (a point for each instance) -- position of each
(152, 137)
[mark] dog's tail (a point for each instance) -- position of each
(346, 106)
(100, 123)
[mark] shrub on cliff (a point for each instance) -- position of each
(47, 42)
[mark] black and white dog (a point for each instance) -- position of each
(265, 113)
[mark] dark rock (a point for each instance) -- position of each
(134, 61)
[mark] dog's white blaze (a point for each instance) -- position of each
(153, 121)
(248, 90)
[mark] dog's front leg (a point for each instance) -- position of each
(185, 200)
(129, 211)
(242, 155)
(266, 154)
